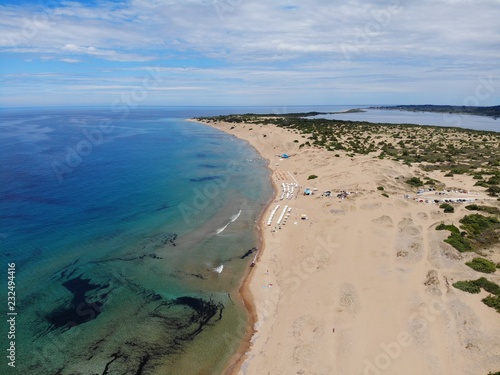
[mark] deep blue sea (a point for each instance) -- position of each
(115, 221)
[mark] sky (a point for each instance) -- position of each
(249, 52)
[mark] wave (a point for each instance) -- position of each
(231, 220)
(235, 217)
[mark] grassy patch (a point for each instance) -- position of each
(475, 286)
(482, 265)
(487, 209)
(467, 286)
(455, 238)
(451, 228)
(415, 181)
(448, 208)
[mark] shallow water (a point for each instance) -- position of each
(115, 233)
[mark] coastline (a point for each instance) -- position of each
(387, 270)
(234, 364)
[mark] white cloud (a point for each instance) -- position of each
(350, 46)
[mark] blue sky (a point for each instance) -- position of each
(250, 52)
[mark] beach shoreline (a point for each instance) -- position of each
(234, 364)
(388, 271)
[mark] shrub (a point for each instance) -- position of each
(467, 286)
(415, 181)
(385, 195)
(476, 223)
(487, 285)
(451, 228)
(447, 208)
(474, 286)
(492, 301)
(312, 177)
(493, 191)
(482, 265)
(472, 207)
(380, 188)
(458, 242)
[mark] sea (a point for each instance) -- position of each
(124, 237)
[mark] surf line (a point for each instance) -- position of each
(231, 220)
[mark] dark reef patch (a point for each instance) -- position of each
(248, 253)
(80, 310)
(207, 178)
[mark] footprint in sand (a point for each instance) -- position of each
(307, 328)
(423, 216)
(384, 220)
(349, 299)
(409, 240)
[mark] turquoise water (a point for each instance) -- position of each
(115, 227)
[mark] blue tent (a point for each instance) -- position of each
(285, 156)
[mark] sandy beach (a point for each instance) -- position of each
(361, 283)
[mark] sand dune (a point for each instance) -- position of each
(364, 285)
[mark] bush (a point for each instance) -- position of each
(415, 181)
(448, 208)
(380, 188)
(476, 223)
(385, 195)
(482, 265)
(487, 285)
(492, 301)
(467, 286)
(458, 242)
(488, 209)
(451, 228)
(312, 177)
(474, 286)
(493, 191)
(472, 207)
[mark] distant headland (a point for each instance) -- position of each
(493, 111)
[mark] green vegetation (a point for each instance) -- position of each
(482, 265)
(467, 286)
(385, 195)
(488, 209)
(493, 301)
(455, 238)
(312, 177)
(459, 242)
(380, 188)
(447, 207)
(474, 286)
(415, 181)
(481, 230)
(451, 228)
(451, 150)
